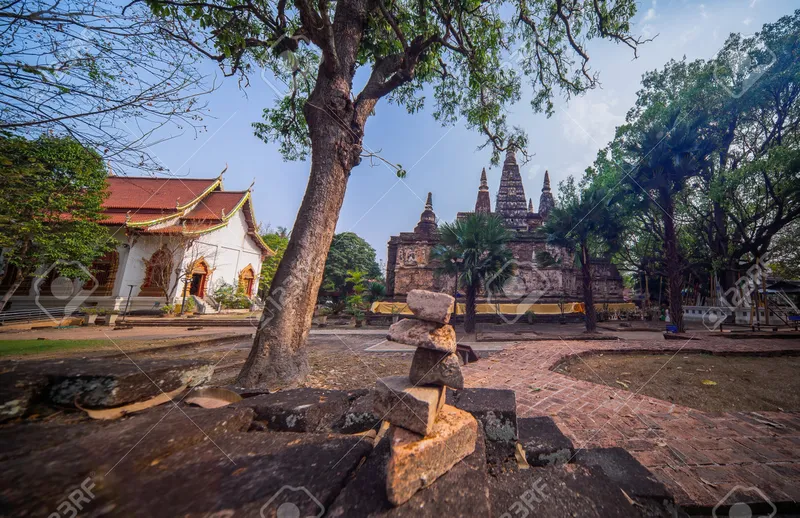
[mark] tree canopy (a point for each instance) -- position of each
(474, 55)
(53, 189)
(349, 253)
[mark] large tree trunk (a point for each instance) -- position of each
(16, 283)
(673, 264)
(590, 316)
(469, 313)
(278, 357)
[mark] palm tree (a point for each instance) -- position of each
(580, 223)
(670, 147)
(474, 249)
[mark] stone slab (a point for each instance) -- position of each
(430, 305)
(567, 490)
(621, 467)
(462, 491)
(436, 368)
(416, 462)
(360, 415)
(419, 333)
(36, 483)
(543, 441)
(268, 474)
(402, 403)
(301, 410)
(495, 408)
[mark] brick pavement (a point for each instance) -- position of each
(699, 455)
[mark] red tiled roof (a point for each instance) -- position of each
(216, 206)
(120, 218)
(180, 229)
(137, 193)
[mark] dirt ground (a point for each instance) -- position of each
(336, 361)
(701, 381)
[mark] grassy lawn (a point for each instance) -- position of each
(24, 347)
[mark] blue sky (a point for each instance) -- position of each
(445, 160)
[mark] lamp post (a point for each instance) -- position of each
(127, 302)
(186, 279)
(456, 261)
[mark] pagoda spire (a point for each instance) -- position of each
(427, 220)
(510, 203)
(546, 201)
(484, 203)
(530, 204)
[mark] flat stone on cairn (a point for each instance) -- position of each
(430, 306)
(401, 403)
(416, 462)
(436, 368)
(419, 333)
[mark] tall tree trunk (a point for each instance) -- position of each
(278, 357)
(16, 283)
(673, 264)
(590, 316)
(469, 314)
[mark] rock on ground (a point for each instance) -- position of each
(416, 462)
(101, 382)
(543, 441)
(423, 334)
(310, 410)
(401, 403)
(436, 368)
(495, 408)
(431, 306)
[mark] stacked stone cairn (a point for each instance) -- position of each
(426, 436)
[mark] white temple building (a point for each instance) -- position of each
(172, 234)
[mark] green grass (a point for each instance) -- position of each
(17, 347)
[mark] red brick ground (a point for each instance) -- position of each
(700, 456)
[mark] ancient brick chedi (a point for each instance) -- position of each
(409, 266)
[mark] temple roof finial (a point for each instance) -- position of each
(484, 184)
(530, 204)
(546, 186)
(427, 220)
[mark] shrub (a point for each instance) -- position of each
(231, 297)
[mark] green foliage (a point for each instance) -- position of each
(277, 241)
(474, 57)
(53, 189)
(189, 306)
(476, 246)
(348, 252)
(231, 297)
(377, 291)
(357, 300)
(582, 219)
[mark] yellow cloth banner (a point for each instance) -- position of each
(401, 308)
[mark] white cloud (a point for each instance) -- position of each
(753, 3)
(651, 14)
(703, 12)
(590, 123)
(747, 21)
